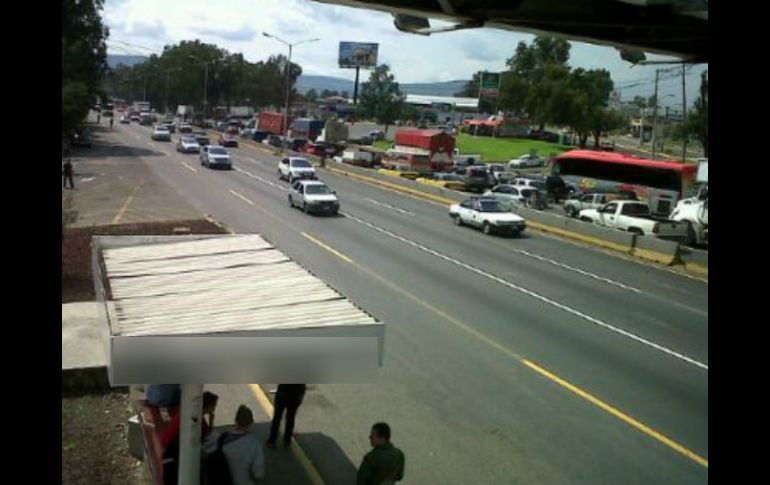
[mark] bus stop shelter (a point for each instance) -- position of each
(227, 309)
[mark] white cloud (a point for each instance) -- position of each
(236, 25)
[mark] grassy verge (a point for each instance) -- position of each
(497, 149)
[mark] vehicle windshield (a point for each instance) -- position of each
(217, 151)
(317, 189)
(189, 140)
(202, 139)
(490, 206)
(300, 163)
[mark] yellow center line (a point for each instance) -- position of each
(299, 453)
(189, 167)
(505, 350)
(510, 353)
(618, 414)
(331, 250)
(241, 197)
(122, 210)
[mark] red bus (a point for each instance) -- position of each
(661, 184)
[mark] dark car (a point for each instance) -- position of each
(295, 144)
(202, 139)
(476, 177)
(258, 136)
(81, 138)
(273, 140)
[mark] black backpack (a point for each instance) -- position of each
(217, 469)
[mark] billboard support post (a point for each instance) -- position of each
(355, 87)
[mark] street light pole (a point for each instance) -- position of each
(288, 71)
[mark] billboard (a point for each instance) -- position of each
(490, 84)
(358, 54)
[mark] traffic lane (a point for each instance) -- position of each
(272, 227)
(300, 251)
(553, 337)
(575, 288)
(625, 372)
(669, 286)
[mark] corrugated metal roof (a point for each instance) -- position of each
(227, 284)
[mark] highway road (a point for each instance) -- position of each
(507, 360)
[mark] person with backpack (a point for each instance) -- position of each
(237, 457)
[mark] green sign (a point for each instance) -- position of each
(490, 84)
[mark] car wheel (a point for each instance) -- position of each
(586, 219)
(458, 221)
(304, 207)
(487, 228)
(280, 175)
(635, 230)
(571, 211)
(291, 201)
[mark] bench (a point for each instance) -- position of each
(153, 421)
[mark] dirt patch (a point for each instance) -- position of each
(94, 441)
(77, 282)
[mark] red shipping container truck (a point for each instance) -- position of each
(436, 144)
(273, 123)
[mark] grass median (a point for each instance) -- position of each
(497, 149)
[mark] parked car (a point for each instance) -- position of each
(273, 140)
(188, 144)
(525, 161)
(475, 177)
(295, 144)
(185, 128)
(591, 200)
(496, 169)
(81, 138)
(314, 196)
(125, 120)
(160, 133)
(213, 156)
(488, 215)
(229, 138)
(136, 117)
(634, 216)
(509, 196)
(294, 168)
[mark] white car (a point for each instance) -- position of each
(509, 196)
(314, 196)
(161, 133)
(293, 168)
(527, 161)
(216, 156)
(188, 144)
(487, 214)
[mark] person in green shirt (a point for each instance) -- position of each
(384, 465)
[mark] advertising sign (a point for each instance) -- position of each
(358, 54)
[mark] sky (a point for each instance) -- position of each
(143, 27)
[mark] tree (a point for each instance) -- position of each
(380, 97)
(344, 94)
(697, 124)
(534, 71)
(311, 95)
(84, 59)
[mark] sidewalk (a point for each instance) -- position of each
(114, 186)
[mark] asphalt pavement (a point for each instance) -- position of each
(507, 360)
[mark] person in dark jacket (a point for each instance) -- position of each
(287, 398)
(384, 465)
(67, 172)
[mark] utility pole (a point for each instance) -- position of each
(684, 118)
(655, 114)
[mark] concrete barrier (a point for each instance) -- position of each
(695, 260)
(656, 250)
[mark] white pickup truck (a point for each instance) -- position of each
(634, 216)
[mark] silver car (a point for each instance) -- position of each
(213, 156)
(188, 144)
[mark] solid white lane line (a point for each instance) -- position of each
(533, 294)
